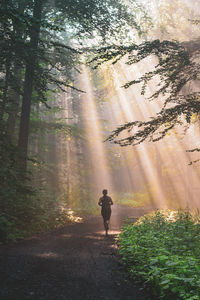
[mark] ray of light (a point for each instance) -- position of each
(146, 163)
(150, 110)
(130, 156)
(146, 110)
(100, 172)
(180, 145)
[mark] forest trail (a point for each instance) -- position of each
(73, 262)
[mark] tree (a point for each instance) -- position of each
(37, 20)
(28, 83)
(177, 67)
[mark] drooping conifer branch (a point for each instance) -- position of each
(177, 66)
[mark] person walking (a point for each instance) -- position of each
(105, 202)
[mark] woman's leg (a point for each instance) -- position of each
(106, 226)
(106, 217)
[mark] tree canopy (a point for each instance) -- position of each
(177, 67)
(41, 43)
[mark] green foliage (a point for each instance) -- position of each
(176, 66)
(132, 199)
(49, 211)
(33, 214)
(57, 127)
(15, 189)
(157, 128)
(36, 40)
(23, 209)
(164, 250)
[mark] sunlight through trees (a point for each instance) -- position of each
(80, 80)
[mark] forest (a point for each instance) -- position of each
(97, 95)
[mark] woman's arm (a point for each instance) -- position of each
(100, 202)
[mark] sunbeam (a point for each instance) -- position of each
(100, 177)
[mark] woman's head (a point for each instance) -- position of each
(105, 192)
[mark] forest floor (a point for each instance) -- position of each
(73, 262)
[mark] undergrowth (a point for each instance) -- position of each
(163, 249)
(33, 214)
(132, 199)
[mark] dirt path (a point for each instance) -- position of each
(74, 262)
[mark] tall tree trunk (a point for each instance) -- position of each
(28, 86)
(14, 98)
(7, 67)
(5, 91)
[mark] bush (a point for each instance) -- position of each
(23, 209)
(163, 249)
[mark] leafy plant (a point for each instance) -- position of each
(163, 249)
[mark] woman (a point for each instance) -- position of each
(105, 202)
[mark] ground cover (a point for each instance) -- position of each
(163, 249)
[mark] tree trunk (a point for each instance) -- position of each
(28, 86)
(14, 106)
(5, 91)
(14, 99)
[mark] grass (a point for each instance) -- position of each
(163, 249)
(132, 199)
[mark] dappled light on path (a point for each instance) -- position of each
(73, 262)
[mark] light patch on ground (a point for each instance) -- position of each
(48, 254)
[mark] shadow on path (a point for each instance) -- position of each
(74, 262)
